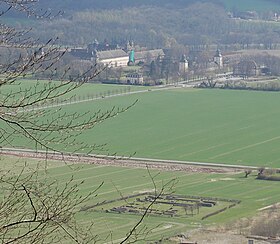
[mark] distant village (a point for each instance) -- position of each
(113, 55)
(132, 64)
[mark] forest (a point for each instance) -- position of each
(154, 26)
(72, 5)
(153, 23)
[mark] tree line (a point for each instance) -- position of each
(153, 26)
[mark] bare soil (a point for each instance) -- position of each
(121, 162)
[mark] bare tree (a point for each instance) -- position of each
(36, 209)
(24, 107)
(267, 225)
(261, 171)
(247, 172)
(39, 211)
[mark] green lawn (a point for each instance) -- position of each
(253, 194)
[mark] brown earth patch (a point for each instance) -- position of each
(120, 162)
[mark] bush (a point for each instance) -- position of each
(268, 177)
(266, 227)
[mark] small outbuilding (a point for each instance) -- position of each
(134, 79)
(246, 68)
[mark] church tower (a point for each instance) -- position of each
(183, 65)
(129, 46)
(218, 58)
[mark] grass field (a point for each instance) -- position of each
(253, 194)
(91, 89)
(218, 126)
(224, 126)
(234, 127)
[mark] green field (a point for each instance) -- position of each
(223, 126)
(219, 126)
(253, 194)
(91, 89)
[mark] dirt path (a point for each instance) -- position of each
(123, 162)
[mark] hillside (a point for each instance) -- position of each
(240, 5)
(155, 23)
(257, 5)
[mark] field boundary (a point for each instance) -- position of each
(170, 165)
(177, 85)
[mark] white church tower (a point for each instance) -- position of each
(183, 65)
(218, 58)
